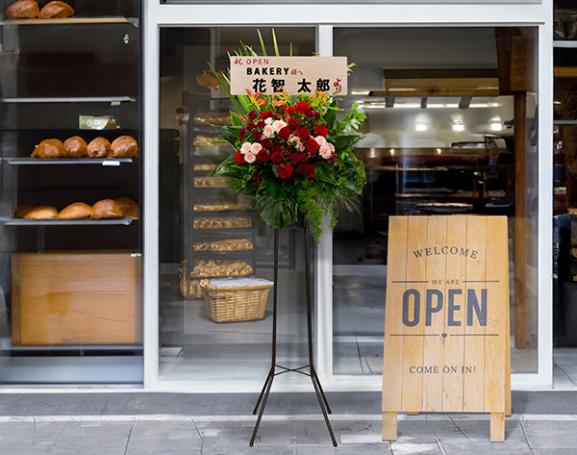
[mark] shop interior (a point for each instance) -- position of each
(451, 129)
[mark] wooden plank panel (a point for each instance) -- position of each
(497, 288)
(393, 345)
(434, 290)
(453, 383)
(413, 336)
(474, 381)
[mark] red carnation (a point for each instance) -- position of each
(276, 157)
(315, 114)
(285, 171)
(265, 114)
(239, 158)
(308, 170)
(263, 156)
(312, 146)
(294, 123)
(284, 134)
(321, 130)
(303, 133)
(302, 107)
(252, 115)
(266, 143)
(296, 158)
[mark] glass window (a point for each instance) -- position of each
(209, 232)
(451, 129)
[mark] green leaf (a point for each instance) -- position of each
(275, 43)
(262, 45)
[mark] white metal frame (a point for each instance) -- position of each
(324, 19)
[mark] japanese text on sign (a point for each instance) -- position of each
(290, 75)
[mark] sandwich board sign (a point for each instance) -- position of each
(289, 75)
(446, 346)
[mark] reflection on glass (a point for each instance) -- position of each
(445, 135)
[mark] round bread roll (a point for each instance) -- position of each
(75, 147)
(128, 207)
(124, 147)
(22, 9)
(22, 211)
(98, 148)
(56, 10)
(106, 208)
(76, 211)
(42, 212)
(49, 148)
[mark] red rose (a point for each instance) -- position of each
(276, 148)
(296, 158)
(250, 126)
(239, 158)
(302, 107)
(276, 157)
(256, 179)
(321, 130)
(265, 114)
(285, 171)
(263, 156)
(308, 170)
(303, 133)
(266, 143)
(294, 123)
(242, 133)
(284, 134)
(252, 115)
(312, 146)
(261, 124)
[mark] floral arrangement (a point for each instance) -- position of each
(294, 155)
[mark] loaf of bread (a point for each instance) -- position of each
(128, 207)
(49, 148)
(22, 9)
(75, 147)
(42, 212)
(106, 208)
(124, 147)
(224, 245)
(220, 267)
(76, 211)
(212, 182)
(203, 140)
(221, 206)
(219, 222)
(56, 10)
(220, 118)
(207, 80)
(98, 147)
(21, 211)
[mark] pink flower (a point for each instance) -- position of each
(268, 131)
(268, 120)
(278, 125)
(321, 140)
(326, 150)
(250, 158)
(245, 148)
(255, 148)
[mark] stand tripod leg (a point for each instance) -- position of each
(315, 378)
(324, 411)
(264, 398)
(269, 378)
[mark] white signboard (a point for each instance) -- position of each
(290, 75)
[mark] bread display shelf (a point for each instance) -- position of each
(74, 21)
(58, 222)
(70, 99)
(565, 122)
(29, 161)
(78, 347)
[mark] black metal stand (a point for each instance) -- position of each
(262, 399)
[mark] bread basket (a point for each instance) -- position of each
(236, 299)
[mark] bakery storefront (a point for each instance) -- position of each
(113, 224)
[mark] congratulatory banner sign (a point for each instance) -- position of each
(292, 75)
(446, 324)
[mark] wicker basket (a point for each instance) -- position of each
(236, 299)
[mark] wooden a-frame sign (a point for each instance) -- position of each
(447, 344)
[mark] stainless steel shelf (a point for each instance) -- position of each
(72, 99)
(29, 161)
(58, 222)
(73, 21)
(565, 44)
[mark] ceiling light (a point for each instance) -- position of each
(392, 152)
(496, 124)
(420, 127)
(458, 126)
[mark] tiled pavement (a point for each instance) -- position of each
(155, 424)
